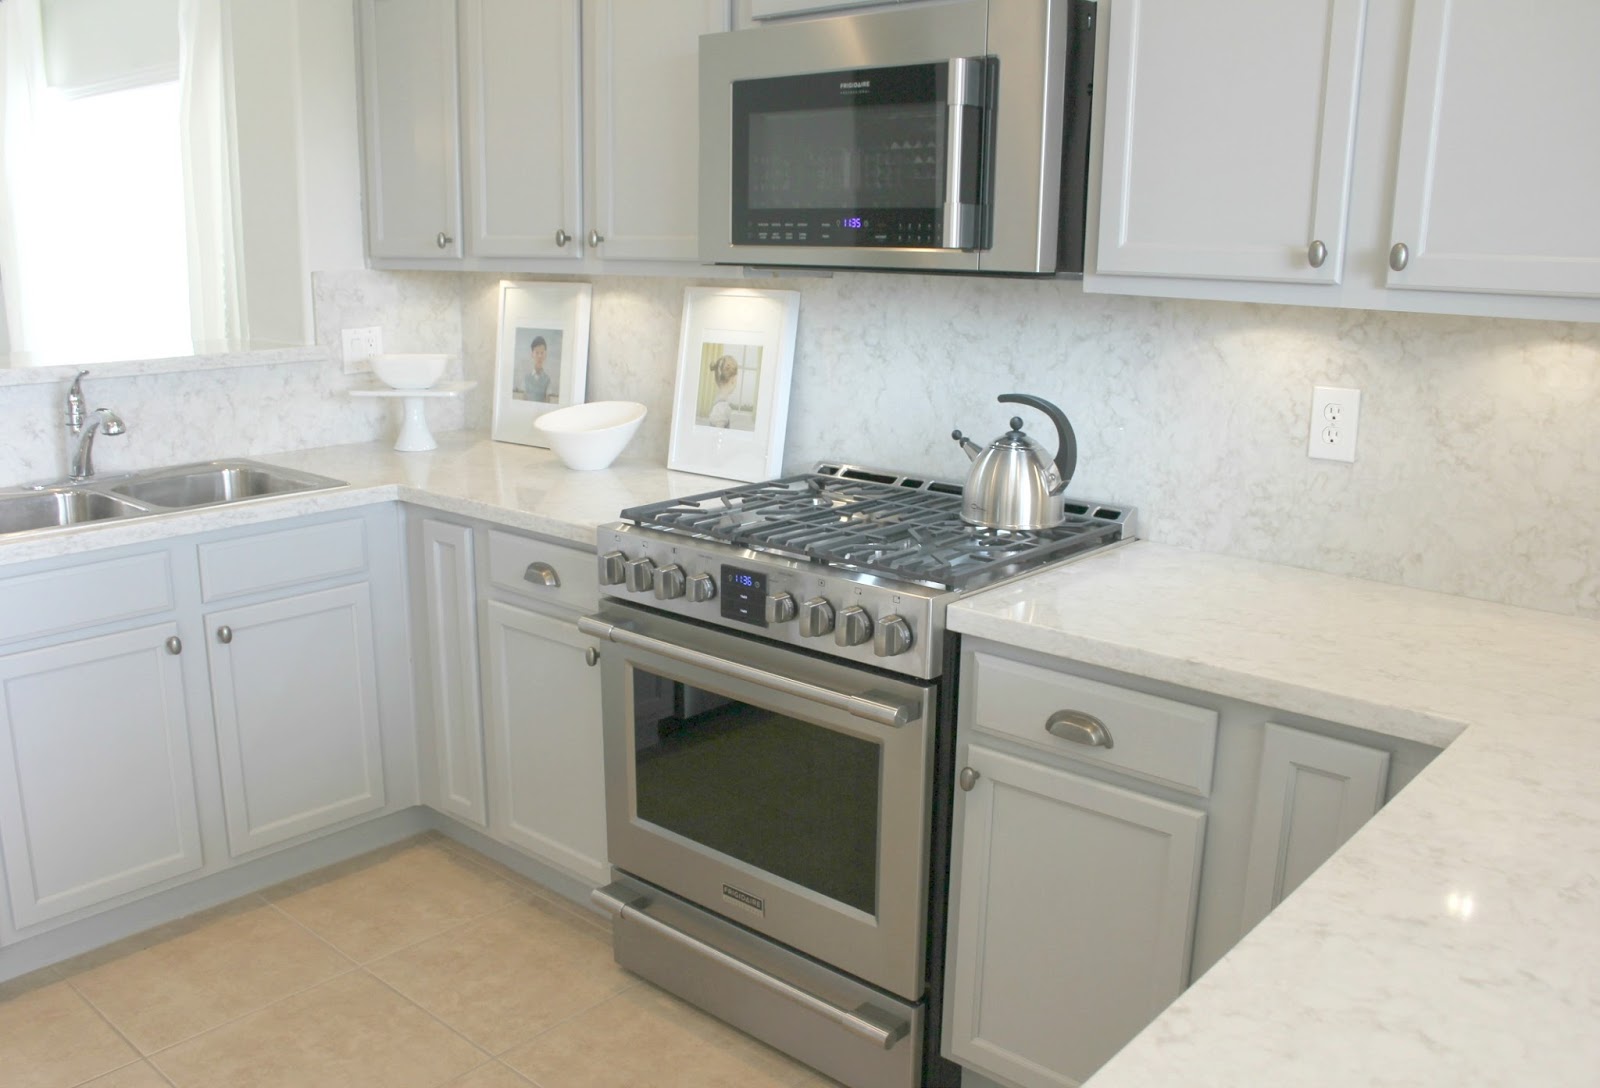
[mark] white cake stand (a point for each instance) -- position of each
(414, 434)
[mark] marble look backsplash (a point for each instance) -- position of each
(1478, 467)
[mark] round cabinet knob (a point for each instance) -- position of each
(174, 645)
(444, 240)
(702, 587)
(816, 618)
(1316, 254)
(224, 634)
(1399, 257)
(595, 237)
(892, 637)
(612, 568)
(641, 576)
(968, 778)
(562, 238)
(591, 656)
(780, 608)
(669, 582)
(855, 627)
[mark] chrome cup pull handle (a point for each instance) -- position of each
(542, 574)
(1079, 728)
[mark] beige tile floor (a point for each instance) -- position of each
(424, 965)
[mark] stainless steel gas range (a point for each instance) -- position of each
(779, 707)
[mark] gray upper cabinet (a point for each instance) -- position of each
(576, 141)
(522, 119)
(408, 85)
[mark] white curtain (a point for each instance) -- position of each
(21, 92)
(215, 287)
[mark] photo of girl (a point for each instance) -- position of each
(730, 379)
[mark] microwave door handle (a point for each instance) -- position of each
(873, 710)
(966, 103)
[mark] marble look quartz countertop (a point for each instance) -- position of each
(518, 486)
(1456, 938)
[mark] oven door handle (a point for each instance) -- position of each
(873, 710)
(866, 1022)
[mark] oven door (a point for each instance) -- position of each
(787, 793)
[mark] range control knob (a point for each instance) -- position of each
(702, 587)
(669, 582)
(780, 608)
(892, 637)
(855, 627)
(816, 617)
(641, 575)
(612, 571)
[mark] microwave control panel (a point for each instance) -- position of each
(898, 227)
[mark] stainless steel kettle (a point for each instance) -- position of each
(1014, 484)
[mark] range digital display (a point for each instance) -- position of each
(744, 595)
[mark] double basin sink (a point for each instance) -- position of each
(144, 494)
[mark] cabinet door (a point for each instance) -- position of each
(546, 776)
(520, 85)
(294, 684)
(1229, 129)
(1314, 793)
(452, 663)
(641, 101)
(1499, 158)
(408, 102)
(97, 794)
(1074, 913)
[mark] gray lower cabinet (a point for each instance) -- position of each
(1314, 793)
(1073, 915)
(168, 709)
(294, 686)
(97, 787)
(546, 786)
(510, 698)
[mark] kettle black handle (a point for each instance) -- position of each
(1066, 440)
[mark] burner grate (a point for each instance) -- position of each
(907, 530)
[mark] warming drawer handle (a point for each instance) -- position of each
(882, 1035)
(872, 710)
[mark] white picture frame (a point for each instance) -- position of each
(551, 316)
(730, 403)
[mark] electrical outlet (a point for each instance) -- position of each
(360, 345)
(1334, 415)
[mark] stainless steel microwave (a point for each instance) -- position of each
(949, 137)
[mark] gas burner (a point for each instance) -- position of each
(879, 524)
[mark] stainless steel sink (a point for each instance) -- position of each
(146, 494)
(55, 507)
(216, 482)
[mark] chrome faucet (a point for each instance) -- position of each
(101, 419)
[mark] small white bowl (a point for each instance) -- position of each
(589, 436)
(409, 371)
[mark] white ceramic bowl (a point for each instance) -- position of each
(589, 436)
(409, 371)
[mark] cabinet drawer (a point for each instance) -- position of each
(288, 557)
(1155, 739)
(511, 567)
(85, 595)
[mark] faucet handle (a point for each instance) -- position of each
(75, 412)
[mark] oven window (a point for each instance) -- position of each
(794, 799)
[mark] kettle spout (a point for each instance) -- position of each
(972, 448)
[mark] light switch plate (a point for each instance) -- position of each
(360, 345)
